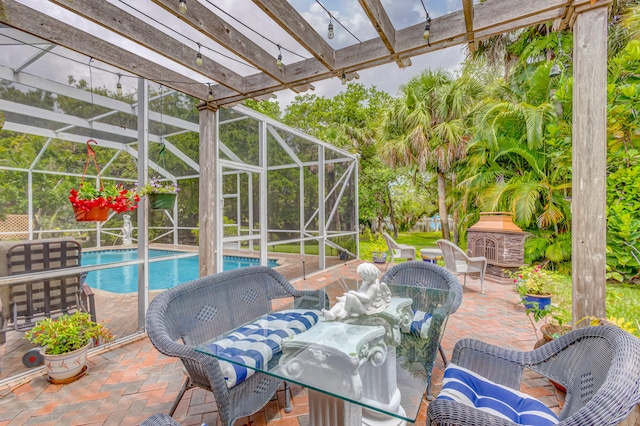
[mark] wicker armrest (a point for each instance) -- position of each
(452, 413)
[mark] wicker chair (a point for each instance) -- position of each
(599, 366)
(189, 314)
(428, 275)
(457, 261)
(400, 251)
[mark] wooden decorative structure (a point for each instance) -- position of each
(501, 241)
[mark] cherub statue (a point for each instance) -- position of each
(371, 298)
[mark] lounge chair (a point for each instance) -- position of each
(23, 304)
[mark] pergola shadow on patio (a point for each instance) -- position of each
(128, 383)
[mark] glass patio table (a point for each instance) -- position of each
(370, 369)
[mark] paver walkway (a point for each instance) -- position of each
(126, 385)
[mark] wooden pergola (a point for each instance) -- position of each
(473, 22)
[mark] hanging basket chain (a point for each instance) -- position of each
(91, 156)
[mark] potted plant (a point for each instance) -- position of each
(534, 285)
(377, 246)
(162, 195)
(91, 203)
(64, 343)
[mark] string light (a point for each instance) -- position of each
(330, 33)
(199, 56)
(427, 29)
(343, 78)
(210, 95)
(119, 85)
(279, 63)
(332, 17)
(182, 6)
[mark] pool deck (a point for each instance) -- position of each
(132, 381)
(119, 310)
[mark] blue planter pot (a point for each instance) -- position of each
(541, 302)
(379, 257)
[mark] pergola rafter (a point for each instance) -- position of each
(474, 22)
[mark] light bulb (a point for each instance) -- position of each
(119, 85)
(344, 78)
(330, 34)
(182, 6)
(279, 63)
(199, 59)
(427, 33)
(210, 96)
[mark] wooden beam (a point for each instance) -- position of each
(589, 151)
(138, 31)
(381, 22)
(211, 25)
(467, 8)
(298, 28)
(54, 31)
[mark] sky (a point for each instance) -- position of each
(351, 25)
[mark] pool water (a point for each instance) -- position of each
(162, 274)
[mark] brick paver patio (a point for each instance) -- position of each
(127, 384)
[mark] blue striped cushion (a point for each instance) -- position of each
(468, 388)
(420, 324)
(255, 344)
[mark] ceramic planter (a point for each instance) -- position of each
(162, 201)
(379, 256)
(64, 368)
(533, 301)
(95, 214)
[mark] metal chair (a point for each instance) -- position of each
(430, 275)
(400, 251)
(457, 261)
(599, 367)
(192, 313)
(23, 304)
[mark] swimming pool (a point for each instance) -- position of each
(163, 274)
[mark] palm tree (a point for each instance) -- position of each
(426, 128)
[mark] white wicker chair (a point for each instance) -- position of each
(457, 261)
(400, 251)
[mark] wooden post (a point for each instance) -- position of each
(208, 196)
(589, 225)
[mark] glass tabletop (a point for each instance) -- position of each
(381, 359)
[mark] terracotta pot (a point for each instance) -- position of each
(549, 331)
(95, 214)
(64, 367)
(162, 201)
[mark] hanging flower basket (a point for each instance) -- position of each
(92, 203)
(162, 194)
(162, 201)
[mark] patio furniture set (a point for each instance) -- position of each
(240, 334)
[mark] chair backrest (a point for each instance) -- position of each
(452, 254)
(391, 243)
(600, 367)
(205, 308)
(428, 275)
(31, 301)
